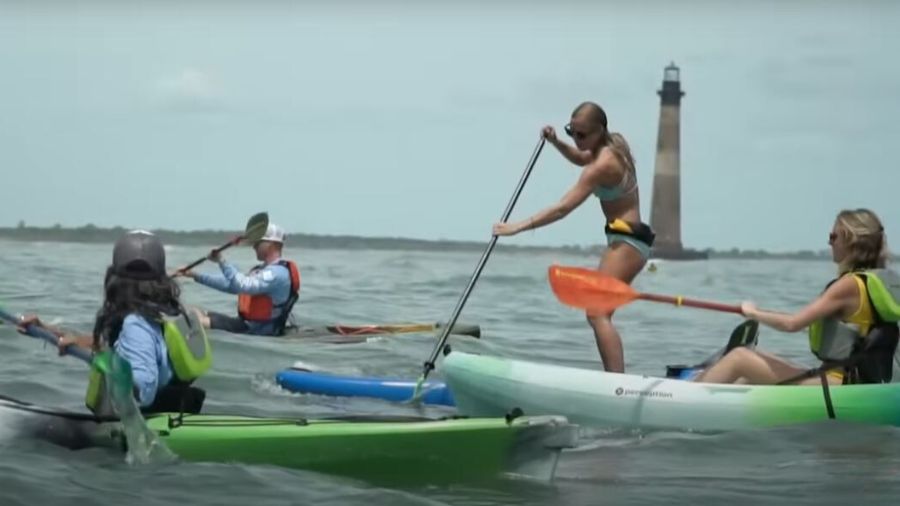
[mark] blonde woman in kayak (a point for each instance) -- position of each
(608, 174)
(858, 303)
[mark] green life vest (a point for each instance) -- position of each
(883, 286)
(188, 346)
(188, 351)
(831, 339)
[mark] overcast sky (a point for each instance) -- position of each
(416, 119)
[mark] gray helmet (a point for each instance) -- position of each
(139, 255)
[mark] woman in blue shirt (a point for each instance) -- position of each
(143, 321)
(140, 298)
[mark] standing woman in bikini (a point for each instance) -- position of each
(609, 174)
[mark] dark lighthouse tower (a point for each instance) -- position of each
(665, 213)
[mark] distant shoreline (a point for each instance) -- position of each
(93, 234)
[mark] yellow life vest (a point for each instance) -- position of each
(188, 346)
(833, 339)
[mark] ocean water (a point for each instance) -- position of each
(829, 463)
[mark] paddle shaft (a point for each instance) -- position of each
(217, 250)
(681, 301)
(46, 335)
(461, 329)
(255, 229)
(429, 365)
(375, 329)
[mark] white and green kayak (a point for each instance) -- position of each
(489, 386)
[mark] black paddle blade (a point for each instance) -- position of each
(745, 334)
(256, 227)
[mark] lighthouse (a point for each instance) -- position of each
(665, 212)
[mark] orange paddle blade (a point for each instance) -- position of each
(589, 289)
(601, 293)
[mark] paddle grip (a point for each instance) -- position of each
(46, 335)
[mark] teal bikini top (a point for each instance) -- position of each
(609, 193)
(606, 194)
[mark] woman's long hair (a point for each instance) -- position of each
(123, 296)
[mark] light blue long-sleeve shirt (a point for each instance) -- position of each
(142, 344)
(273, 280)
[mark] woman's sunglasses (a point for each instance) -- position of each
(831, 238)
(575, 135)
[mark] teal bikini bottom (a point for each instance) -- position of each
(637, 235)
(635, 243)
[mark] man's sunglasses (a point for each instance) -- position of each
(575, 135)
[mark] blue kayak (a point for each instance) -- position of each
(391, 389)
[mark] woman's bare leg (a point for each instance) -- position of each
(750, 366)
(623, 262)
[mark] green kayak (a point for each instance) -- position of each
(382, 449)
(403, 449)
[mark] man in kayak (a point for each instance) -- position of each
(852, 324)
(609, 174)
(143, 321)
(266, 294)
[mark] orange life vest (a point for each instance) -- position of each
(258, 308)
